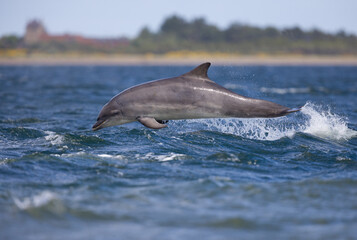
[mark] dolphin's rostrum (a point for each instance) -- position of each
(189, 96)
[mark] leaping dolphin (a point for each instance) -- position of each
(189, 96)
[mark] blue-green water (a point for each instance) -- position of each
(293, 177)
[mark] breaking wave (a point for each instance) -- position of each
(35, 201)
(54, 138)
(313, 120)
(164, 157)
(325, 124)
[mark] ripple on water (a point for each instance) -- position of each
(279, 178)
(21, 133)
(86, 140)
(22, 120)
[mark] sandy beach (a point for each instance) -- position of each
(150, 59)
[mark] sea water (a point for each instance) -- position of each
(293, 177)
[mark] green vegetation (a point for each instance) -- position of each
(179, 35)
(10, 41)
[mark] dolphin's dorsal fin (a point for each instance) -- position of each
(199, 72)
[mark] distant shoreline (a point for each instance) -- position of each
(150, 60)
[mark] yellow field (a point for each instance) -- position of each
(22, 57)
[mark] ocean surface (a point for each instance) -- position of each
(293, 177)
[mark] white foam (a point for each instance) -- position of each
(4, 162)
(284, 90)
(324, 124)
(111, 156)
(314, 121)
(165, 157)
(54, 138)
(259, 129)
(36, 201)
(70, 154)
(82, 153)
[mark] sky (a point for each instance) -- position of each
(115, 18)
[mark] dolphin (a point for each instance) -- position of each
(189, 96)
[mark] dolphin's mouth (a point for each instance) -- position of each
(98, 125)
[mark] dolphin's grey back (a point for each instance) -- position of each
(191, 95)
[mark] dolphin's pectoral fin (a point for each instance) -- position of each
(150, 122)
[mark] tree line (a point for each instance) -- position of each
(177, 34)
